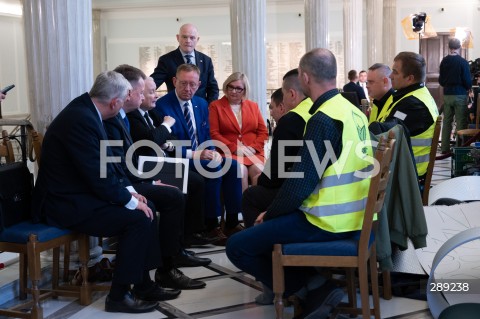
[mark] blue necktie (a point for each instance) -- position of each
(188, 119)
(127, 124)
(189, 58)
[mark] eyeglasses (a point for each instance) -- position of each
(184, 84)
(235, 89)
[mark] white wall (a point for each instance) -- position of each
(13, 65)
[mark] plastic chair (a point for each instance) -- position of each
(351, 253)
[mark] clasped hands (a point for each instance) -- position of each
(209, 155)
(243, 150)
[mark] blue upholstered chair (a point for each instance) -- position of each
(351, 253)
(19, 235)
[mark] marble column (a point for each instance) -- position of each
(389, 31)
(58, 37)
(316, 24)
(353, 35)
(247, 27)
(59, 55)
(97, 42)
(374, 32)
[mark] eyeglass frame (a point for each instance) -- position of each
(235, 89)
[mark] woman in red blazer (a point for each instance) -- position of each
(238, 124)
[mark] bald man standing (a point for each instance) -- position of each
(166, 69)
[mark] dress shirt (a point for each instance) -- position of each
(192, 58)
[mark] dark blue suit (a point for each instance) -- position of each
(167, 68)
(230, 181)
(70, 191)
(169, 201)
(353, 87)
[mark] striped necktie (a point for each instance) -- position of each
(189, 58)
(188, 119)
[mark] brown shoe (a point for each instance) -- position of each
(230, 231)
(221, 237)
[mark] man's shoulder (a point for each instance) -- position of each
(134, 114)
(202, 55)
(170, 55)
(198, 101)
(167, 99)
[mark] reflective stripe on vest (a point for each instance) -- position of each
(338, 202)
(303, 109)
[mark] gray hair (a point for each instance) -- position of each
(110, 85)
(383, 69)
(320, 64)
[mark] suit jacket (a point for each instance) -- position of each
(169, 105)
(224, 127)
(353, 87)
(290, 127)
(69, 185)
(139, 130)
(167, 68)
(116, 130)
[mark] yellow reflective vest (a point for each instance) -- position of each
(421, 143)
(338, 202)
(380, 117)
(303, 109)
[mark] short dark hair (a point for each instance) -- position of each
(291, 81)
(412, 64)
(277, 96)
(131, 73)
(383, 67)
(352, 75)
(454, 44)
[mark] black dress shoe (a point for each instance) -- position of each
(184, 259)
(190, 252)
(198, 240)
(156, 293)
(177, 280)
(129, 305)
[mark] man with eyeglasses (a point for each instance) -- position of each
(192, 128)
(187, 39)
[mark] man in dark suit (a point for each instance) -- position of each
(168, 200)
(192, 129)
(187, 39)
(147, 125)
(79, 189)
(290, 127)
(352, 86)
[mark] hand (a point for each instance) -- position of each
(168, 120)
(140, 198)
(208, 155)
(2, 96)
(259, 219)
(144, 208)
(472, 117)
(159, 183)
(245, 151)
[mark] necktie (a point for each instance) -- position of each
(149, 120)
(127, 124)
(189, 58)
(188, 119)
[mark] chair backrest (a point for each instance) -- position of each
(6, 148)
(376, 193)
(431, 161)
(35, 141)
(477, 116)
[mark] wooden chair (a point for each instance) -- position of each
(35, 141)
(352, 253)
(473, 134)
(18, 234)
(431, 162)
(6, 148)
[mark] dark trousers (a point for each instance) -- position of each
(219, 178)
(138, 247)
(256, 200)
(170, 203)
(194, 208)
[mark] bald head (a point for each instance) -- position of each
(187, 38)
